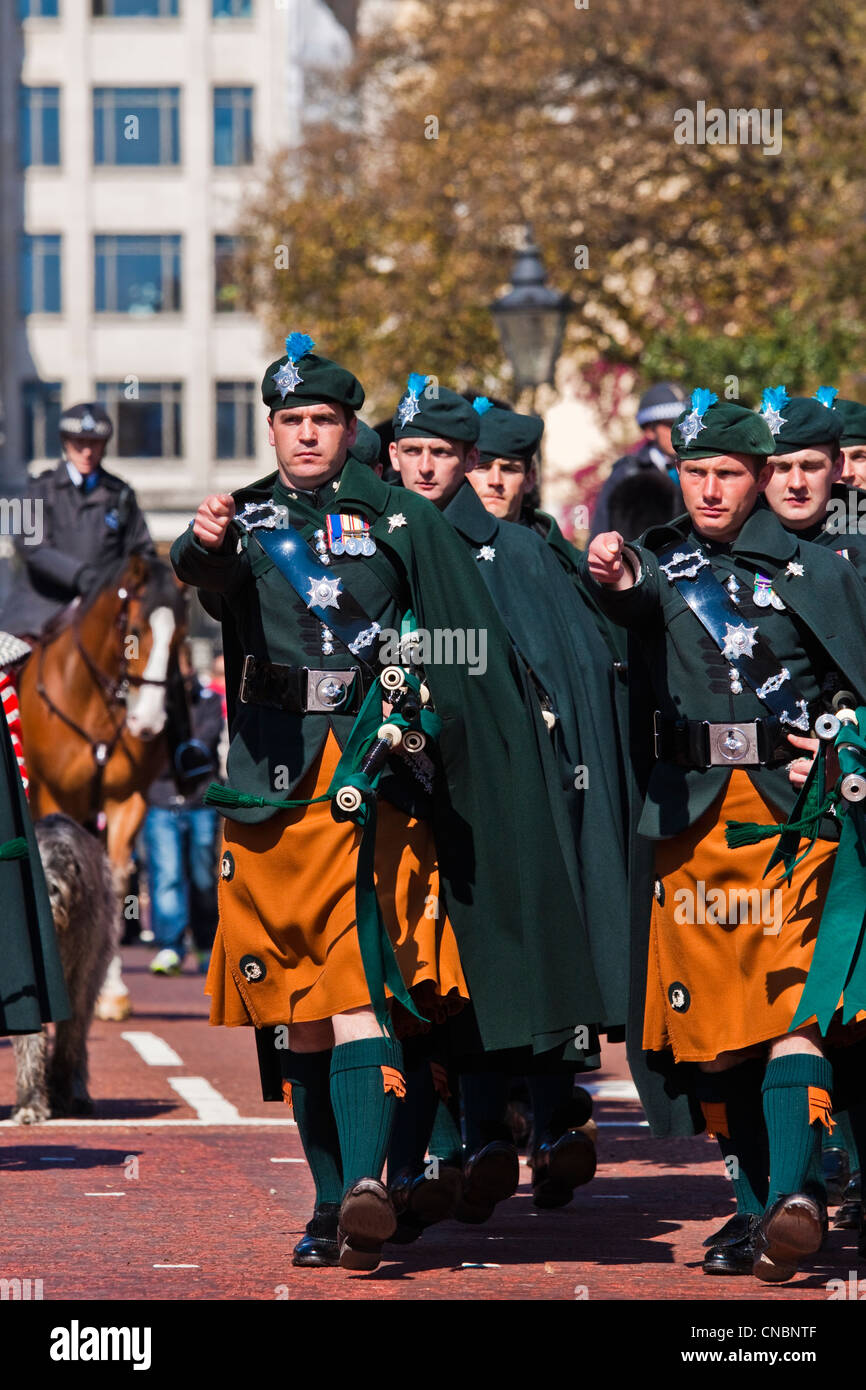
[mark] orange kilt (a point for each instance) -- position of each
(726, 973)
(286, 947)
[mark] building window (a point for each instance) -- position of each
(41, 404)
(232, 9)
(233, 125)
(136, 125)
(147, 416)
(235, 419)
(135, 9)
(137, 275)
(40, 275)
(37, 9)
(227, 291)
(39, 125)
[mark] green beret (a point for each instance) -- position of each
(443, 415)
(709, 427)
(505, 434)
(301, 376)
(367, 447)
(801, 422)
(853, 422)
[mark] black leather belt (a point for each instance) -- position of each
(302, 689)
(698, 743)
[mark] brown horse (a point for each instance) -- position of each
(93, 698)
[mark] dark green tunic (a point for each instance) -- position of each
(841, 528)
(32, 989)
(508, 889)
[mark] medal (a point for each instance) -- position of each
(765, 595)
(349, 534)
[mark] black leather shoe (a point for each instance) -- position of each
(734, 1256)
(423, 1199)
(367, 1219)
(490, 1175)
(558, 1168)
(791, 1230)
(848, 1216)
(835, 1170)
(319, 1246)
(737, 1226)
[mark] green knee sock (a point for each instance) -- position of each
(795, 1140)
(737, 1094)
(309, 1075)
(366, 1080)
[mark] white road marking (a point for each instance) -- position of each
(288, 1160)
(153, 1050)
(190, 1123)
(205, 1100)
(611, 1090)
(177, 1266)
(105, 1194)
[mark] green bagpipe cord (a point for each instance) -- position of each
(377, 952)
(838, 968)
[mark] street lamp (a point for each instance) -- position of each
(531, 318)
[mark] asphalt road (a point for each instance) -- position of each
(186, 1186)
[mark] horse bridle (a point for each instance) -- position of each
(114, 692)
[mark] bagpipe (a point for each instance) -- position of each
(835, 786)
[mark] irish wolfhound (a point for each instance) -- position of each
(86, 913)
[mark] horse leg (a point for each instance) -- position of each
(124, 819)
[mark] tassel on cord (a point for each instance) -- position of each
(743, 832)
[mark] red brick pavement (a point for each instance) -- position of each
(211, 1197)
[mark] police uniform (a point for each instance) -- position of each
(715, 981)
(88, 525)
(288, 944)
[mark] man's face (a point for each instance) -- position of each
(310, 442)
(502, 486)
(434, 468)
(799, 489)
(660, 434)
(84, 454)
(854, 465)
(720, 492)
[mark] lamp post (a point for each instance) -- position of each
(531, 318)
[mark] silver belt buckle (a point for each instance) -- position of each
(733, 743)
(327, 690)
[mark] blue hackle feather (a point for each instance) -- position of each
(416, 383)
(774, 398)
(826, 395)
(481, 405)
(298, 345)
(702, 400)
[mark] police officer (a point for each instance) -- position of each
(89, 520)
(737, 685)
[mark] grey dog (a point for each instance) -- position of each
(86, 914)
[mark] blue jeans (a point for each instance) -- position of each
(181, 849)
